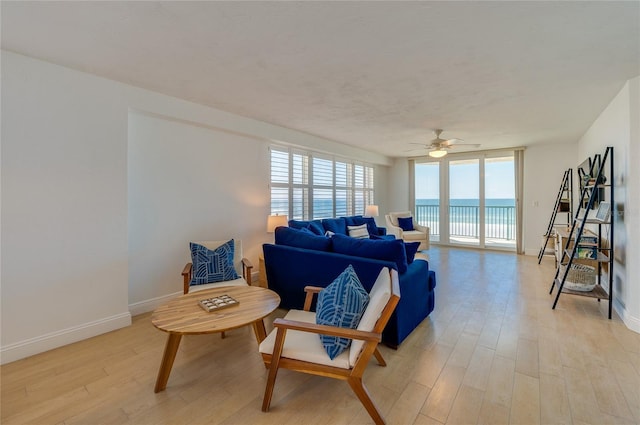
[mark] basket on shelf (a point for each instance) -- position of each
(580, 277)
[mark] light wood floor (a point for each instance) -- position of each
(492, 352)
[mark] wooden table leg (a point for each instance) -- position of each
(170, 350)
(260, 331)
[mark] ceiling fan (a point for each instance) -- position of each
(438, 147)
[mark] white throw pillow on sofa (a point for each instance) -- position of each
(359, 232)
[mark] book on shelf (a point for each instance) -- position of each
(587, 252)
(217, 303)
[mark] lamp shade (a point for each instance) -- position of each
(438, 153)
(274, 221)
(371, 211)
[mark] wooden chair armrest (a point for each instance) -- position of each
(186, 277)
(308, 299)
(247, 268)
(313, 289)
(327, 330)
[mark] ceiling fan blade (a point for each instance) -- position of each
(450, 142)
(414, 150)
(420, 144)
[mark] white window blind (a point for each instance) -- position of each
(307, 185)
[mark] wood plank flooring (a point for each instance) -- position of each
(492, 352)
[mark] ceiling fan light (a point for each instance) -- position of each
(438, 153)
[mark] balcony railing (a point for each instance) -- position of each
(464, 220)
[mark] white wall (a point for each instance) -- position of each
(544, 167)
(618, 126)
(68, 252)
(64, 207)
(189, 183)
(399, 186)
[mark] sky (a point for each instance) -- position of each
(499, 179)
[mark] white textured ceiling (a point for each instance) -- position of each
(378, 75)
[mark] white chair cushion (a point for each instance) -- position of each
(413, 235)
(305, 346)
(378, 297)
(236, 282)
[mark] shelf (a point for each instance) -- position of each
(601, 258)
(593, 220)
(597, 292)
(576, 246)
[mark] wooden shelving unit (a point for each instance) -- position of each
(604, 254)
(564, 204)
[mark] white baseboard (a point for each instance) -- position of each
(151, 304)
(631, 322)
(29, 347)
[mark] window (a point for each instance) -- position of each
(308, 185)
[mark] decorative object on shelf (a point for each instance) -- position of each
(274, 221)
(603, 211)
(580, 278)
(217, 303)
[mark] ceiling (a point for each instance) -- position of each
(378, 75)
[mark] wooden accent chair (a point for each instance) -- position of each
(295, 344)
(242, 265)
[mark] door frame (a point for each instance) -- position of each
(444, 178)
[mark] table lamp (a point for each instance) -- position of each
(371, 211)
(274, 221)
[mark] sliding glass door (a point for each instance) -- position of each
(464, 202)
(500, 202)
(427, 197)
(467, 199)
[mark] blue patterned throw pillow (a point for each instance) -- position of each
(342, 304)
(212, 266)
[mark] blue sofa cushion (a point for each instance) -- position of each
(341, 304)
(210, 266)
(316, 227)
(336, 225)
(405, 223)
(389, 250)
(301, 238)
(411, 248)
(371, 225)
(298, 224)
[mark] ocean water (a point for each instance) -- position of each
(464, 217)
(498, 211)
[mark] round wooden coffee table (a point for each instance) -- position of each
(183, 316)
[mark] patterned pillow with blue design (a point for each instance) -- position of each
(342, 304)
(210, 266)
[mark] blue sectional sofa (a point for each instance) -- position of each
(341, 225)
(299, 258)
